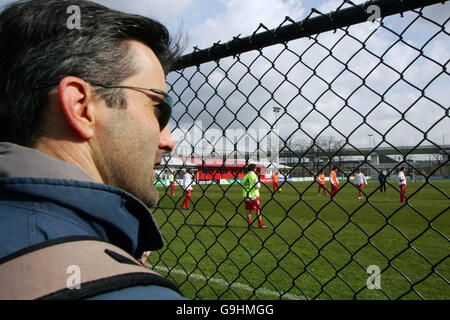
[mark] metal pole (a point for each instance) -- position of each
(301, 29)
(276, 110)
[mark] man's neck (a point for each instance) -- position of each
(71, 152)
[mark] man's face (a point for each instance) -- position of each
(132, 142)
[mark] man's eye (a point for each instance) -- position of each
(157, 111)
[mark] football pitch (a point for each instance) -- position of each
(312, 248)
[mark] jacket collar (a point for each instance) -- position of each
(19, 161)
(126, 220)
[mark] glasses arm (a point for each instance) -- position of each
(165, 94)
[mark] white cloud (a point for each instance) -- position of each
(334, 4)
(168, 12)
(215, 78)
(243, 17)
(162, 10)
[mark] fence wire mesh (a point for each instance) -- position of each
(364, 87)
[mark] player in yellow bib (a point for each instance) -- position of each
(172, 183)
(250, 192)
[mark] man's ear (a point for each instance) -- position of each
(77, 104)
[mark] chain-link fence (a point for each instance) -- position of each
(362, 88)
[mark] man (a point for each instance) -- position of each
(172, 182)
(250, 192)
(360, 181)
(276, 187)
(334, 182)
(187, 187)
(83, 117)
(322, 183)
(401, 178)
(382, 181)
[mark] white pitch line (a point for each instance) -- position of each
(260, 291)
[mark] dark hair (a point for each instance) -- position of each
(39, 49)
(252, 166)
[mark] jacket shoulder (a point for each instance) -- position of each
(27, 223)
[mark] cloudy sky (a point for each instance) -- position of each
(241, 93)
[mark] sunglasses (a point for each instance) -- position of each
(165, 106)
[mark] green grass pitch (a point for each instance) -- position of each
(313, 248)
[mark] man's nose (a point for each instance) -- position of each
(166, 141)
